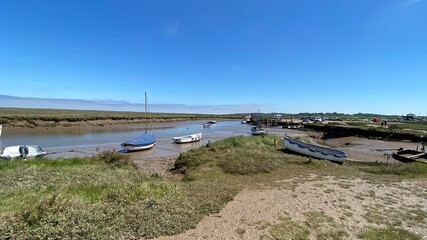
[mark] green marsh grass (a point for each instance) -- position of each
(106, 196)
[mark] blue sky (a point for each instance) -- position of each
(217, 56)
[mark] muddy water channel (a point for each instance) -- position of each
(75, 142)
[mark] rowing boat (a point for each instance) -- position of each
(188, 139)
(314, 150)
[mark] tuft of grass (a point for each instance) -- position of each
(388, 233)
(114, 159)
(240, 232)
(288, 229)
(236, 155)
(409, 169)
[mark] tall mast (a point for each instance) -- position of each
(145, 111)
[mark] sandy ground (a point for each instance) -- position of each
(342, 206)
(345, 207)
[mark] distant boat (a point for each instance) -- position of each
(143, 142)
(1, 128)
(212, 121)
(314, 150)
(188, 139)
(205, 125)
(23, 151)
(409, 155)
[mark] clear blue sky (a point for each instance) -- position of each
(222, 56)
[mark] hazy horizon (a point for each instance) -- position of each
(122, 106)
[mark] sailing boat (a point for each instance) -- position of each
(143, 142)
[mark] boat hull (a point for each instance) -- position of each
(314, 150)
(143, 142)
(188, 139)
(409, 155)
(131, 148)
(258, 131)
(14, 152)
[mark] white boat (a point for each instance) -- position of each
(258, 130)
(23, 151)
(314, 150)
(188, 139)
(212, 121)
(143, 142)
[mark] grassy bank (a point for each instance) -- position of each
(415, 132)
(107, 197)
(32, 117)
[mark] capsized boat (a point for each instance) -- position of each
(409, 155)
(188, 139)
(23, 151)
(314, 150)
(258, 130)
(143, 142)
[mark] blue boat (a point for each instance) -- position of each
(143, 142)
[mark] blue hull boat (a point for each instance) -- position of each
(143, 142)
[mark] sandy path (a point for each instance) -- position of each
(351, 206)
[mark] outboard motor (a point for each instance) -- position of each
(24, 151)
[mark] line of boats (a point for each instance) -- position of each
(147, 141)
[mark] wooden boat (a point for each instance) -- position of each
(23, 151)
(188, 139)
(258, 130)
(314, 150)
(409, 155)
(143, 142)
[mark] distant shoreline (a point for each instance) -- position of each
(27, 118)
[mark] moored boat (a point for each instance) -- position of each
(188, 139)
(314, 150)
(258, 130)
(409, 155)
(23, 151)
(143, 142)
(212, 121)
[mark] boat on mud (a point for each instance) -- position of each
(22, 151)
(258, 130)
(143, 142)
(410, 155)
(188, 139)
(315, 151)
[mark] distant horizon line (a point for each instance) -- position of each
(7, 101)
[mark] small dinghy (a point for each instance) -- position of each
(188, 139)
(409, 155)
(23, 151)
(258, 130)
(314, 150)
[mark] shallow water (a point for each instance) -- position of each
(78, 143)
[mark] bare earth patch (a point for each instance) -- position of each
(318, 207)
